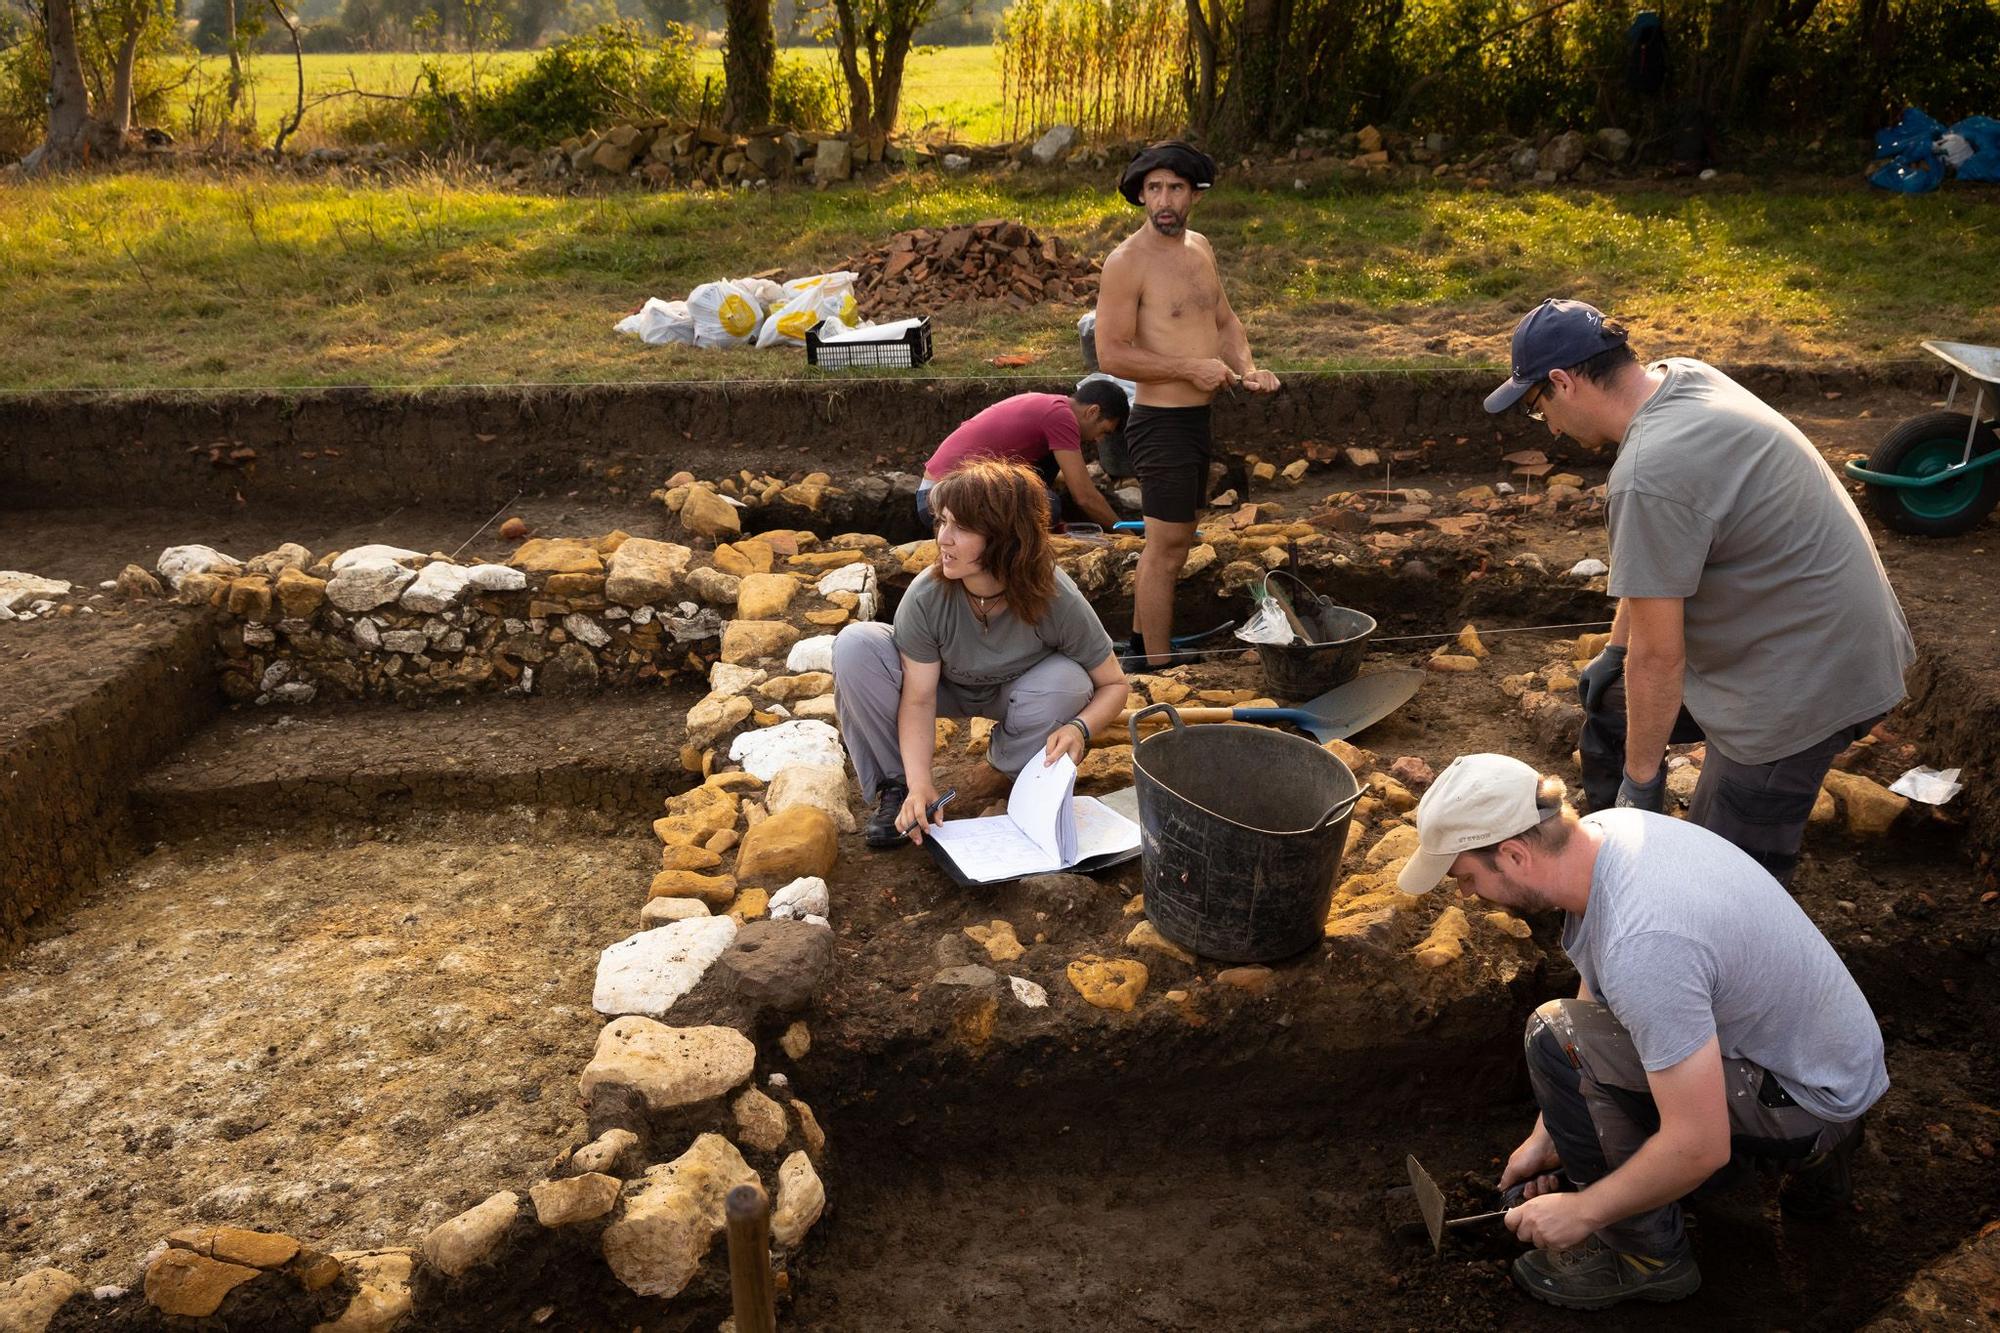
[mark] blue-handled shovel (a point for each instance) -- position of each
(1334, 716)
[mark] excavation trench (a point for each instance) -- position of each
(327, 971)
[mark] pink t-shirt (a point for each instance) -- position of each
(1024, 428)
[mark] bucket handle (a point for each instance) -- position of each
(1319, 601)
(1173, 716)
(1339, 810)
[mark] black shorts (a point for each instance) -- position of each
(1170, 449)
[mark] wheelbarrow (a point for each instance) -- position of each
(1934, 475)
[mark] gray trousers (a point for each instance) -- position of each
(868, 686)
(1596, 1105)
(1762, 808)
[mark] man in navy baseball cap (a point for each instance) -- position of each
(1752, 611)
(1555, 335)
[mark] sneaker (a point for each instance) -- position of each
(1823, 1185)
(881, 832)
(1594, 1276)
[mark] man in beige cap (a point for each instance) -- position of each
(1711, 1007)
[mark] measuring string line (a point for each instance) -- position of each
(827, 381)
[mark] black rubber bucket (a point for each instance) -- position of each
(1299, 671)
(1242, 832)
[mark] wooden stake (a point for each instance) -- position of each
(748, 1210)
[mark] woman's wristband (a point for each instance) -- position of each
(1081, 726)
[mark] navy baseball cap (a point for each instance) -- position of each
(1554, 335)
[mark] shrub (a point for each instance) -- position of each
(1109, 67)
(583, 82)
(806, 93)
(577, 85)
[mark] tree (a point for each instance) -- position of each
(71, 135)
(877, 33)
(749, 60)
(130, 18)
(69, 106)
(290, 124)
(1288, 62)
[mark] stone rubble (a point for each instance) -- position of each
(672, 1216)
(804, 898)
(990, 261)
(645, 973)
(455, 1247)
(801, 1199)
(668, 1067)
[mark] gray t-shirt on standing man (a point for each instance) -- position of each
(1686, 938)
(1793, 631)
(934, 623)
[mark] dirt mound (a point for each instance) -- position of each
(989, 261)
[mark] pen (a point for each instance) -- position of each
(931, 810)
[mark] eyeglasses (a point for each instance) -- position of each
(1534, 399)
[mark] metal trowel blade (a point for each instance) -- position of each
(1430, 1201)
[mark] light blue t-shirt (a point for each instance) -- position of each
(1686, 938)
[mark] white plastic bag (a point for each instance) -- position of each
(769, 294)
(808, 301)
(726, 314)
(1268, 625)
(660, 322)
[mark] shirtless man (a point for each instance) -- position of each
(1163, 321)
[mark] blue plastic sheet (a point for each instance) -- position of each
(1983, 133)
(1916, 166)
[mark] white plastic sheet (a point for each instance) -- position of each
(1930, 785)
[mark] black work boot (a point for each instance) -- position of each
(1594, 1276)
(1822, 1185)
(881, 832)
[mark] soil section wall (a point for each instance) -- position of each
(65, 770)
(328, 449)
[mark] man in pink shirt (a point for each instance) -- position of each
(1045, 431)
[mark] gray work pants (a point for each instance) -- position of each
(868, 686)
(1762, 808)
(1597, 1106)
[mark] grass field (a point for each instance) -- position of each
(951, 90)
(137, 280)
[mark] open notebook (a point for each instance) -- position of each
(1047, 828)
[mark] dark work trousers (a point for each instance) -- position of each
(1597, 1107)
(1762, 808)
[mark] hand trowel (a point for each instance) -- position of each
(1430, 1202)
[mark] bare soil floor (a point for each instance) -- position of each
(350, 1030)
(349, 1036)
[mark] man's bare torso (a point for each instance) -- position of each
(1179, 292)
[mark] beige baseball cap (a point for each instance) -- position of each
(1478, 800)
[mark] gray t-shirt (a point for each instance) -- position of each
(934, 623)
(1792, 629)
(1686, 938)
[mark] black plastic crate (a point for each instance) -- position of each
(910, 348)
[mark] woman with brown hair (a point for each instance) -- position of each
(992, 629)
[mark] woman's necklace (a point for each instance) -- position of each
(984, 607)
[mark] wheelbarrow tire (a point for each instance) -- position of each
(1924, 446)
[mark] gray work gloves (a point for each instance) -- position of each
(1604, 669)
(1597, 678)
(1651, 796)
